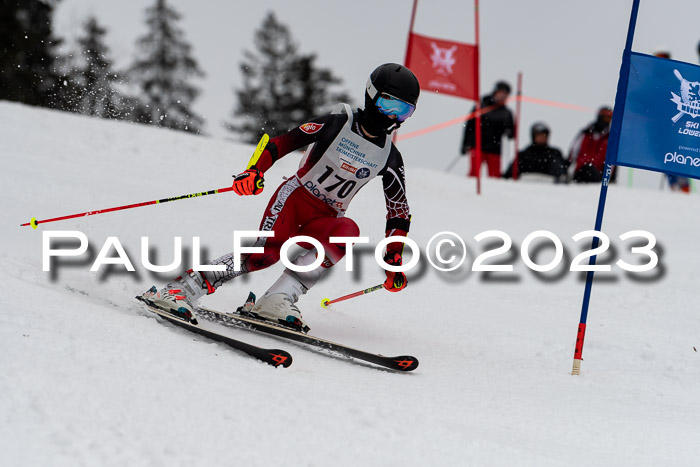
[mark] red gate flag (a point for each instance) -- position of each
(444, 66)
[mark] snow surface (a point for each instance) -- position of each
(89, 378)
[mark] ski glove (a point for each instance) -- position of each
(250, 182)
(395, 281)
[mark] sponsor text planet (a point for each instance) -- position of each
(676, 158)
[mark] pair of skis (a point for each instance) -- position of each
(276, 357)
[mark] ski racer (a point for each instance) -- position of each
(346, 150)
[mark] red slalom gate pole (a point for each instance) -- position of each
(253, 160)
(325, 303)
(477, 123)
(409, 42)
(410, 33)
(517, 124)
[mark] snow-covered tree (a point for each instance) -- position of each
(28, 53)
(92, 78)
(163, 71)
(281, 88)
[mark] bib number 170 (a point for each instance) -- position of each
(343, 185)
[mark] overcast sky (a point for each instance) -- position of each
(568, 50)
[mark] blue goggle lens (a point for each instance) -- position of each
(390, 105)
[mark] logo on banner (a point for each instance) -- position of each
(310, 128)
(676, 158)
(348, 167)
(688, 103)
(362, 173)
(443, 59)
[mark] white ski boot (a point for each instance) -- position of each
(179, 296)
(278, 304)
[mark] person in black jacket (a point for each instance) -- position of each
(540, 157)
(496, 122)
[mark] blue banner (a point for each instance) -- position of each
(661, 120)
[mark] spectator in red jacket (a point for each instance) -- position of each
(587, 155)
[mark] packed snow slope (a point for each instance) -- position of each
(88, 377)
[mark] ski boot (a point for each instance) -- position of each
(278, 304)
(244, 310)
(179, 296)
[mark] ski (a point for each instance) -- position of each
(399, 363)
(274, 357)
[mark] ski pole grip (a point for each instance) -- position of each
(258, 150)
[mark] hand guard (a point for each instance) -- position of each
(395, 281)
(250, 182)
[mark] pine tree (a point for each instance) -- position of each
(163, 71)
(311, 92)
(281, 88)
(92, 79)
(28, 53)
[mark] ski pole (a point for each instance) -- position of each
(453, 163)
(326, 302)
(253, 160)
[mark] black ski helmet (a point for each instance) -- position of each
(501, 86)
(395, 80)
(538, 127)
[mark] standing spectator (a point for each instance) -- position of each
(540, 157)
(662, 53)
(587, 154)
(496, 121)
(678, 183)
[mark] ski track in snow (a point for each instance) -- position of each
(88, 377)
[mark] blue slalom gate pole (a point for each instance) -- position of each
(610, 160)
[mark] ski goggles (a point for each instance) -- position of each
(390, 105)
